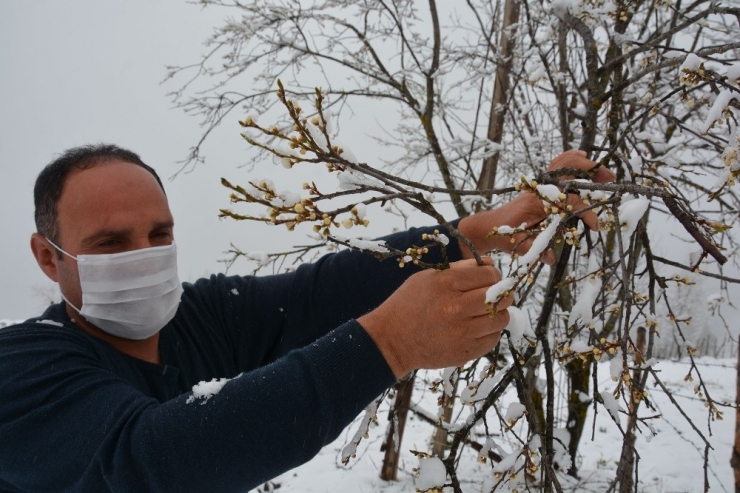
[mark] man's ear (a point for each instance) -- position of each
(46, 256)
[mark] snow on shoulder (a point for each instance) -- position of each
(205, 390)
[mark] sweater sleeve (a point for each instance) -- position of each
(67, 423)
(266, 317)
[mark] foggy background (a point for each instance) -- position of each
(84, 71)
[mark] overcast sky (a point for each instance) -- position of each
(84, 71)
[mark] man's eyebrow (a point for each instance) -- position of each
(105, 233)
(117, 233)
(163, 225)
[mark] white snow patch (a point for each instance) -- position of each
(580, 347)
(260, 257)
(351, 448)
(560, 445)
(692, 62)
(720, 103)
(432, 473)
(347, 154)
(351, 180)
(540, 243)
(535, 443)
(440, 238)
(650, 363)
(515, 411)
(582, 310)
(366, 245)
(318, 137)
(361, 210)
(630, 213)
(550, 192)
(478, 391)
(611, 404)
(205, 390)
(496, 292)
(519, 326)
(616, 365)
(508, 462)
(671, 54)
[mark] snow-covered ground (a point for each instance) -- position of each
(670, 462)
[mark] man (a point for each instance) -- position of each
(104, 391)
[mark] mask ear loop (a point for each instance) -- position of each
(60, 291)
(60, 249)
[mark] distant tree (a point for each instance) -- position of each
(648, 89)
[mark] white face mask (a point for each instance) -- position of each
(129, 294)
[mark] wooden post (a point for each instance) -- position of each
(439, 440)
(735, 460)
(400, 409)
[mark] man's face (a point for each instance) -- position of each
(111, 208)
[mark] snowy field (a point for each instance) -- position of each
(669, 463)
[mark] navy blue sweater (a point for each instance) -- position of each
(77, 415)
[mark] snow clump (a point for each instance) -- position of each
(260, 257)
(432, 474)
(519, 326)
(611, 404)
(205, 390)
(630, 213)
(366, 245)
(514, 412)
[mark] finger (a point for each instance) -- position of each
(472, 276)
(488, 342)
(589, 217)
(548, 256)
(577, 160)
(495, 324)
(603, 175)
(469, 263)
(504, 303)
(486, 325)
(472, 304)
(571, 159)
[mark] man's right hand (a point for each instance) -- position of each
(438, 318)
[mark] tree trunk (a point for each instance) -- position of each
(579, 373)
(487, 179)
(627, 460)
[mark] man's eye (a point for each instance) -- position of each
(162, 236)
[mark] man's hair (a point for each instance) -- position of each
(50, 182)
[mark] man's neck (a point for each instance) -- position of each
(145, 349)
